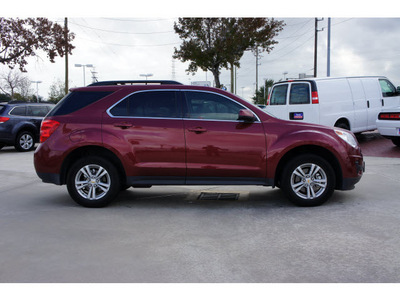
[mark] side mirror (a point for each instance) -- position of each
(246, 115)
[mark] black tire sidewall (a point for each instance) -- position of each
(114, 177)
(296, 162)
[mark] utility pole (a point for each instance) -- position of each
(328, 67)
(66, 54)
(316, 45)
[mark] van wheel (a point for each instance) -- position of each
(93, 182)
(308, 180)
(342, 125)
(25, 141)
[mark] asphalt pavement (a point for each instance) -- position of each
(171, 234)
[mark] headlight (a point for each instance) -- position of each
(347, 137)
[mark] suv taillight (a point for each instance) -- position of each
(47, 129)
(4, 119)
(315, 99)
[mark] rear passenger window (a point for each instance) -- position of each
(158, 104)
(299, 93)
(37, 111)
(278, 96)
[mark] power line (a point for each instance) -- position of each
(121, 32)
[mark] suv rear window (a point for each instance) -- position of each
(75, 101)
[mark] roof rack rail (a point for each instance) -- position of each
(135, 82)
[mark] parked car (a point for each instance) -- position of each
(106, 137)
(352, 103)
(388, 124)
(20, 124)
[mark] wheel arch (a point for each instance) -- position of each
(310, 149)
(91, 151)
(345, 121)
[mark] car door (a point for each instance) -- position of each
(219, 147)
(146, 128)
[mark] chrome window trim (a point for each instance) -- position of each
(182, 118)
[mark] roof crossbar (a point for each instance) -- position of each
(135, 82)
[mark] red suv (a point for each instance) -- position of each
(108, 136)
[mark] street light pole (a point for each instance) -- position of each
(80, 65)
(37, 89)
(146, 75)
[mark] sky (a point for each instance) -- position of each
(126, 41)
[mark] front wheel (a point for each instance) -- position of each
(308, 180)
(93, 182)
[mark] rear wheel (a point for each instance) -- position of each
(308, 180)
(93, 182)
(25, 141)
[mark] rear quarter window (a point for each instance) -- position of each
(75, 101)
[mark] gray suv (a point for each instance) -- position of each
(20, 124)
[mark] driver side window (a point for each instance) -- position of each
(208, 106)
(388, 89)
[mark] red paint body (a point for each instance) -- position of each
(189, 151)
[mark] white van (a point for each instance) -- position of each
(351, 103)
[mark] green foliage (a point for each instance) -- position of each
(215, 43)
(261, 95)
(57, 91)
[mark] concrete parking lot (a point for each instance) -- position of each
(169, 234)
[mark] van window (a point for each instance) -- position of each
(388, 89)
(278, 96)
(299, 93)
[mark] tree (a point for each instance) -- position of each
(57, 91)
(15, 83)
(21, 38)
(261, 95)
(215, 43)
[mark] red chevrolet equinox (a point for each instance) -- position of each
(109, 136)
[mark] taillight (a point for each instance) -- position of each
(389, 116)
(47, 129)
(4, 119)
(314, 98)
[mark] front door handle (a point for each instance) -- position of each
(197, 129)
(123, 125)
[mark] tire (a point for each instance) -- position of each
(93, 182)
(25, 141)
(308, 180)
(396, 141)
(342, 125)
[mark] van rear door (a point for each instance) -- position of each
(292, 101)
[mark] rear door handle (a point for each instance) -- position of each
(123, 125)
(197, 129)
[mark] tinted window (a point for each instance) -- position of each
(388, 89)
(209, 106)
(75, 101)
(154, 104)
(278, 96)
(2, 108)
(37, 111)
(299, 93)
(18, 111)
